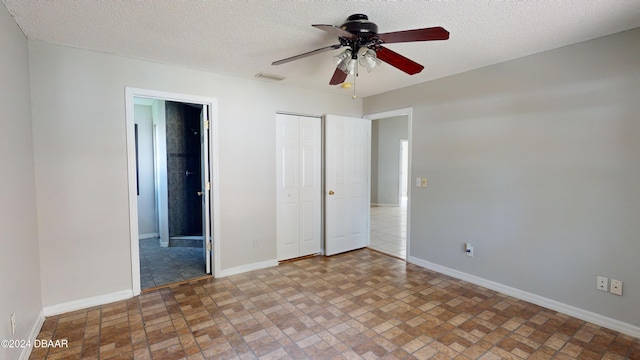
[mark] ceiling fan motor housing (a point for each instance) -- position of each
(363, 29)
(360, 25)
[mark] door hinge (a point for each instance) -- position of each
(206, 124)
(208, 186)
(208, 245)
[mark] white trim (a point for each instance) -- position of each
(148, 236)
(402, 169)
(214, 179)
(130, 93)
(384, 205)
(391, 113)
(133, 198)
(87, 302)
(32, 336)
(249, 267)
(582, 314)
(408, 112)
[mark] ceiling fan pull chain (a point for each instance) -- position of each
(355, 75)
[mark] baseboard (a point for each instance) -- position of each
(148, 236)
(88, 302)
(582, 314)
(249, 267)
(384, 205)
(32, 336)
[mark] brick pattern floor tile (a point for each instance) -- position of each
(358, 305)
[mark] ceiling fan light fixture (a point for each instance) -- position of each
(346, 54)
(369, 60)
(351, 66)
(346, 63)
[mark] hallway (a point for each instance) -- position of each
(166, 265)
(389, 230)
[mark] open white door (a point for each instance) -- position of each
(347, 168)
(206, 187)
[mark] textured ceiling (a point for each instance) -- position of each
(243, 38)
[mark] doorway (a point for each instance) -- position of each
(390, 190)
(173, 139)
(171, 170)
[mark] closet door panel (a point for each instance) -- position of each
(299, 181)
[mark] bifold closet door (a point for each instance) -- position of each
(298, 185)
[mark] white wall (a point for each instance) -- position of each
(534, 162)
(19, 260)
(81, 162)
(387, 149)
(147, 213)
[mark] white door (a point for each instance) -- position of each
(287, 186)
(206, 186)
(298, 185)
(347, 167)
(310, 185)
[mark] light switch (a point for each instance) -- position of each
(424, 182)
(418, 182)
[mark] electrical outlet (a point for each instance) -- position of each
(616, 287)
(603, 283)
(13, 324)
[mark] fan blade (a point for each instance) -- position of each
(317, 51)
(394, 59)
(335, 30)
(338, 77)
(428, 34)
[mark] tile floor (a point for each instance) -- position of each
(167, 265)
(358, 305)
(389, 230)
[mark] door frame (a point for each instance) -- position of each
(408, 112)
(403, 170)
(214, 194)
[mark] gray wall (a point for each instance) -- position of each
(147, 213)
(78, 106)
(19, 260)
(535, 162)
(385, 159)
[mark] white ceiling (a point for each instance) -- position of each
(243, 38)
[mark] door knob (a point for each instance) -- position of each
(331, 192)
(200, 193)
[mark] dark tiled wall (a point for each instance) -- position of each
(183, 155)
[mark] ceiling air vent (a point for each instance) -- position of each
(269, 77)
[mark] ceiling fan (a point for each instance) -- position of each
(364, 46)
